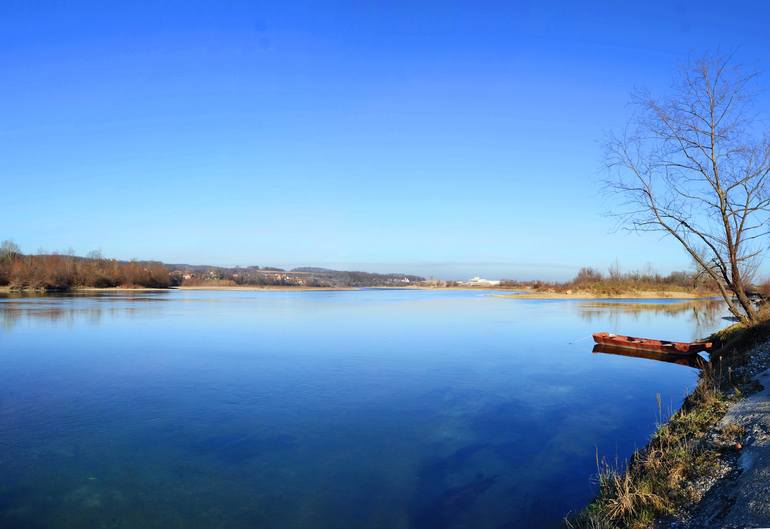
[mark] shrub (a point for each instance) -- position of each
(57, 272)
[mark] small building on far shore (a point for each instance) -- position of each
(479, 282)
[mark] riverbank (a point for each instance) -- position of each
(708, 465)
(213, 288)
(739, 496)
(266, 288)
(9, 290)
(525, 294)
(657, 294)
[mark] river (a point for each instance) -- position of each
(325, 409)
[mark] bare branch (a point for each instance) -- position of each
(691, 166)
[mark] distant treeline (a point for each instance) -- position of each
(64, 272)
(297, 277)
(616, 282)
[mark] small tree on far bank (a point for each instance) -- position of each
(588, 275)
(9, 250)
(695, 167)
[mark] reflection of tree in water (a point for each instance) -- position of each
(12, 313)
(703, 314)
(9, 318)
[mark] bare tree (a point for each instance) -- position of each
(614, 270)
(695, 166)
(9, 250)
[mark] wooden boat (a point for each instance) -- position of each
(691, 360)
(647, 344)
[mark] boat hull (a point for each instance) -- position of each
(647, 344)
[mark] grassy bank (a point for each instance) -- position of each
(667, 476)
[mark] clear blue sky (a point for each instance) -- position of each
(442, 138)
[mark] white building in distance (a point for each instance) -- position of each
(479, 282)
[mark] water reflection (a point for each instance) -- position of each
(704, 315)
(694, 361)
(29, 308)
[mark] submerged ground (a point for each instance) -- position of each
(425, 409)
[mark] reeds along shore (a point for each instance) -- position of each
(662, 478)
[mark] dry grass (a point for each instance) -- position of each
(197, 282)
(733, 432)
(592, 282)
(658, 480)
(734, 341)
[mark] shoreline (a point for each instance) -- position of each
(708, 463)
(256, 288)
(664, 294)
(8, 290)
(736, 496)
(734, 493)
(493, 292)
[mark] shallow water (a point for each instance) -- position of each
(352, 409)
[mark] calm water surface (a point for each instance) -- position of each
(358, 409)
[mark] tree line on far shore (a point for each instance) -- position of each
(617, 282)
(61, 272)
(58, 272)
(52, 272)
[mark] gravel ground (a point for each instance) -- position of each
(739, 496)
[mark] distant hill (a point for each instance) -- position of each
(304, 276)
(65, 272)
